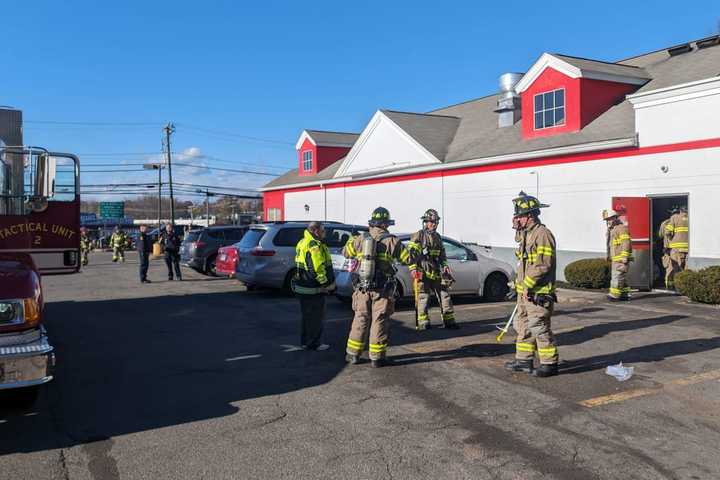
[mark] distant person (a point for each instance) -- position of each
(119, 242)
(85, 246)
(677, 232)
(170, 242)
(144, 248)
(314, 279)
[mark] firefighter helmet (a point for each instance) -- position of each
(608, 214)
(380, 216)
(674, 209)
(525, 203)
(431, 215)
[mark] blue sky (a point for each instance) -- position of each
(270, 69)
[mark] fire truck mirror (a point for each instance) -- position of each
(45, 177)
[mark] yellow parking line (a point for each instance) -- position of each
(641, 392)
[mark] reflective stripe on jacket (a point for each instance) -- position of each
(387, 250)
(677, 232)
(620, 244)
(427, 253)
(314, 266)
(119, 240)
(537, 261)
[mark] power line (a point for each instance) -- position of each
(103, 124)
(233, 135)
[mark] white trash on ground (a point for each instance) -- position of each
(619, 372)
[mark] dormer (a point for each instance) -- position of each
(562, 94)
(319, 149)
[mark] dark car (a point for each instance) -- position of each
(199, 249)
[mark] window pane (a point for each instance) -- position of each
(288, 237)
(538, 120)
(538, 102)
(454, 252)
(559, 98)
(549, 121)
(559, 116)
(549, 101)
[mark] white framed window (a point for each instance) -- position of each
(274, 215)
(549, 109)
(307, 160)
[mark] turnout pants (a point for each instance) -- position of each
(118, 254)
(427, 289)
(534, 333)
(678, 263)
(144, 264)
(667, 265)
(312, 309)
(618, 281)
(372, 311)
(83, 257)
(172, 260)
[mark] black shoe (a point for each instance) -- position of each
(146, 281)
(452, 326)
(170, 279)
(352, 359)
(613, 299)
(380, 362)
(525, 366)
(546, 370)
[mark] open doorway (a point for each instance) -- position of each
(660, 207)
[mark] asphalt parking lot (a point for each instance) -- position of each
(201, 379)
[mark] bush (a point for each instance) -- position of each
(588, 273)
(701, 286)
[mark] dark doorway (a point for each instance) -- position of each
(660, 207)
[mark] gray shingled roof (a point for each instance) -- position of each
(434, 132)
(341, 138)
(604, 67)
(477, 134)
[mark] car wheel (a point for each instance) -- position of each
(496, 287)
(210, 266)
(287, 283)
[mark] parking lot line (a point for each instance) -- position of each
(641, 392)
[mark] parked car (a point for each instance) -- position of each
(475, 271)
(199, 249)
(267, 251)
(227, 261)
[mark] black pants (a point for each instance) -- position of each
(312, 308)
(172, 260)
(144, 260)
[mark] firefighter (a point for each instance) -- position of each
(85, 246)
(313, 280)
(677, 233)
(535, 287)
(619, 248)
(431, 272)
(119, 242)
(665, 259)
(374, 289)
(170, 242)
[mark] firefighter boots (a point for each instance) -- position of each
(352, 359)
(525, 366)
(546, 370)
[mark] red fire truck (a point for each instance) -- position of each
(39, 235)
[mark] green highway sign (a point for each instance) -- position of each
(112, 209)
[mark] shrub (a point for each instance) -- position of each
(588, 273)
(701, 286)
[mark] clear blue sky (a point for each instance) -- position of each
(270, 69)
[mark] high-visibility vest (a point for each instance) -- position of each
(314, 266)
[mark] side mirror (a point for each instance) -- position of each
(45, 176)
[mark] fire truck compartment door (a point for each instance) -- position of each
(637, 217)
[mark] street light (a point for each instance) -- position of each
(208, 194)
(158, 167)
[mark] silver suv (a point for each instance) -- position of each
(267, 251)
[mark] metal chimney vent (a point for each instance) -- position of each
(508, 104)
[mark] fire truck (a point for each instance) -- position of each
(39, 235)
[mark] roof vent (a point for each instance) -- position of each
(708, 42)
(508, 103)
(679, 49)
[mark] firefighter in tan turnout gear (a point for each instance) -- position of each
(665, 259)
(119, 241)
(535, 286)
(619, 248)
(677, 233)
(373, 299)
(85, 246)
(430, 272)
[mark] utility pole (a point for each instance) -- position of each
(208, 194)
(158, 167)
(169, 130)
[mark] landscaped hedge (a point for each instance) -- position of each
(588, 273)
(700, 286)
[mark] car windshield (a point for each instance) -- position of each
(252, 238)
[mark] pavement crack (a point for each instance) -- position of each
(62, 463)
